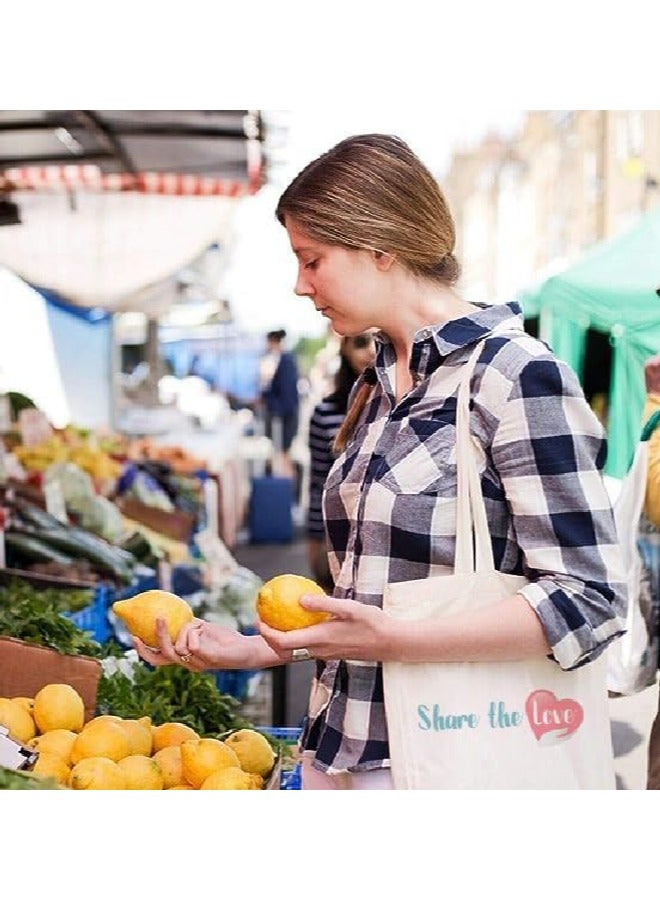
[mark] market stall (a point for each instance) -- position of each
(611, 290)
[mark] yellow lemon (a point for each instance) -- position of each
(97, 774)
(230, 779)
(172, 733)
(169, 762)
(17, 720)
(140, 740)
(59, 706)
(102, 719)
(139, 614)
(106, 739)
(203, 757)
(50, 765)
(278, 603)
(253, 750)
(141, 773)
(257, 782)
(59, 742)
(27, 702)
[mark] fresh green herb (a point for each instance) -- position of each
(25, 781)
(35, 616)
(170, 694)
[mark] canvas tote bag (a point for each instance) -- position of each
(488, 725)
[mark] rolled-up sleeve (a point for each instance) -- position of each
(549, 450)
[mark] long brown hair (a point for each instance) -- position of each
(372, 192)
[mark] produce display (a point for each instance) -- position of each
(77, 542)
(70, 445)
(33, 536)
(111, 752)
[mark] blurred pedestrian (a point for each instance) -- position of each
(280, 398)
(355, 354)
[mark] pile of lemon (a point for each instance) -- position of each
(111, 753)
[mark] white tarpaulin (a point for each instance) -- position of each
(112, 250)
(28, 361)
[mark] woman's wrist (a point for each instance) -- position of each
(260, 655)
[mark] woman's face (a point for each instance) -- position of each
(341, 283)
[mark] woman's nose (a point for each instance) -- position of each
(303, 287)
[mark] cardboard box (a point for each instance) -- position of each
(275, 777)
(26, 668)
(176, 525)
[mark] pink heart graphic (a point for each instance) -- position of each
(552, 720)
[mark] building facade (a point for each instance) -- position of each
(529, 205)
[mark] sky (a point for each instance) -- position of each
(260, 271)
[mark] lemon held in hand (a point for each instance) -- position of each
(278, 603)
(139, 613)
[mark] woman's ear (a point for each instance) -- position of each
(383, 260)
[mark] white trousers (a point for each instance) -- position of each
(375, 780)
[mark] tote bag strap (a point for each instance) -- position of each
(470, 509)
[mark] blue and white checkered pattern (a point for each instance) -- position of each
(390, 506)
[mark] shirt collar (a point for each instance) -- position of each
(434, 342)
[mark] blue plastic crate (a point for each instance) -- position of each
(235, 682)
(94, 618)
(290, 779)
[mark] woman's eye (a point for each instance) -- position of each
(312, 265)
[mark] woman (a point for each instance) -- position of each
(355, 354)
(374, 241)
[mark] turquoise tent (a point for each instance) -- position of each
(611, 289)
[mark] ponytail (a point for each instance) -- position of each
(355, 411)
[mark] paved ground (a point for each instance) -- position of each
(281, 694)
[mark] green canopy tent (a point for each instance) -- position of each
(611, 289)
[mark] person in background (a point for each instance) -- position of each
(355, 354)
(649, 542)
(281, 402)
(374, 241)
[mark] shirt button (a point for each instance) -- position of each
(426, 333)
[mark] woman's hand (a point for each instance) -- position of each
(202, 645)
(356, 631)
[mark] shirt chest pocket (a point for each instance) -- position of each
(422, 459)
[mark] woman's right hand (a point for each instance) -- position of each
(202, 645)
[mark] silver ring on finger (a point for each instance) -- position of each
(300, 654)
(185, 657)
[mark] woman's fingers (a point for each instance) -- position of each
(283, 642)
(153, 657)
(340, 609)
(188, 633)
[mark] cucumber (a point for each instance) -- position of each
(102, 558)
(35, 515)
(30, 548)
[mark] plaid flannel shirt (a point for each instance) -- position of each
(390, 507)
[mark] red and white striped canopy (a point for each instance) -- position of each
(90, 177)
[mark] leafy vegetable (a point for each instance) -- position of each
(170, 694)
(35, 615)
(24, 781)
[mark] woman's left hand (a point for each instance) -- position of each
(355, 631)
